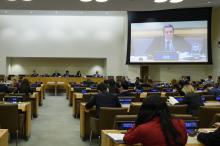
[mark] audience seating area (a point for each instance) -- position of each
(20, 115)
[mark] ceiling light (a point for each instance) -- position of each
(85, 0)
(26, 0)
(101, 0)
(175, 1)
(11, 0)
(160, 1)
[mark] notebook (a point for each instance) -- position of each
(116, 137)
(172, 100)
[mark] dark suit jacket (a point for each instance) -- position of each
(125, 93)
(178, 42)
(34, 75)
(103, 100)
(56, 74)
(193, 101)
(210, 139)
(3, 88)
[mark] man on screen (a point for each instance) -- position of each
(168, 46)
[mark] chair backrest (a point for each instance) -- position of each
(216, 118)
(185, 117)
(178, 109)
(134, 109)
(86, 97)
(153, 93)
(107, 116)
(206, 114)
(164, 98)
(9, 117)
(172, 94)
(123, 119)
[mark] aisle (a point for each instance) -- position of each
(55, 125)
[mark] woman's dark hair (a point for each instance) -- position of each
(153, 107)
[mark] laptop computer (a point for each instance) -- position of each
(179, 99)
(168, 90)
(13, 99)
(124, 125)
(125, 101)
(192, 126)
(153, 90)
(217, 98)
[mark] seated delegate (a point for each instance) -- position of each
(154, 126)
(192, 99)
(210, 138)
(103, 99)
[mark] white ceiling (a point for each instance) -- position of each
(111, 5)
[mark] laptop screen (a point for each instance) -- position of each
(139, 91)
(153, 90)
(125, 101)
(180, 99)
(13, 99)
(125, 125)
(217, 98)
(191, 125)
(168, 90)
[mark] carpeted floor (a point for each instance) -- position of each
(55, 126)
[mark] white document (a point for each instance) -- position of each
(60, 82)
(172, 100)
(116, 136)
(50, 82)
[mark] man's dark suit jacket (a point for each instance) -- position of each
(56, 74)
(3, 88)
(193, 101)
(158, 44)
(103, 100)
(125, 93)
(210, 139)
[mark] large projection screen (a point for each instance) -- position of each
(178, 36)
(184, 41)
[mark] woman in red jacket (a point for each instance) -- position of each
(155, 127)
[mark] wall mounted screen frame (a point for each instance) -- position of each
(196, 18)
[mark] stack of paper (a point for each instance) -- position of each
(172, 100)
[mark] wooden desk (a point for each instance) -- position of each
(66, 80)
(25, 107)
(212, 103)
(55, 85)
(77, 98)
(107, 141)
(35, 104)
(84, 120)
(71, 92)
(40, 95)
(144, 94)
(3, 137)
